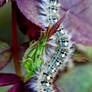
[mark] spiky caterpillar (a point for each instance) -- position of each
(48, 72)
(55, 55)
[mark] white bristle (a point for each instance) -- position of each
(50, 69)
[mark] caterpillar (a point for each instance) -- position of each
(49, 70)
(57, 55)
(47, 75)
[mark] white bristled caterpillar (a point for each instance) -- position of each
(61, 49)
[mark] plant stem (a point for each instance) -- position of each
(14, 40)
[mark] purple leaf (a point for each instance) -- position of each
(2, 2)
(19, 87)
(5, 54)
(30, 10)
(78, 22)
(9, 79)
(27, 27)
(12, 79)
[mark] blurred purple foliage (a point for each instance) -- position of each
(78, 23)
(18, 84)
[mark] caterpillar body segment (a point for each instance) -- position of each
(45, 79)
(50, 70)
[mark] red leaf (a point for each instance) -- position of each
(56, 25)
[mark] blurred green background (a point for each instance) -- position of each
(77, 79)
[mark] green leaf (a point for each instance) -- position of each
(33, 56)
